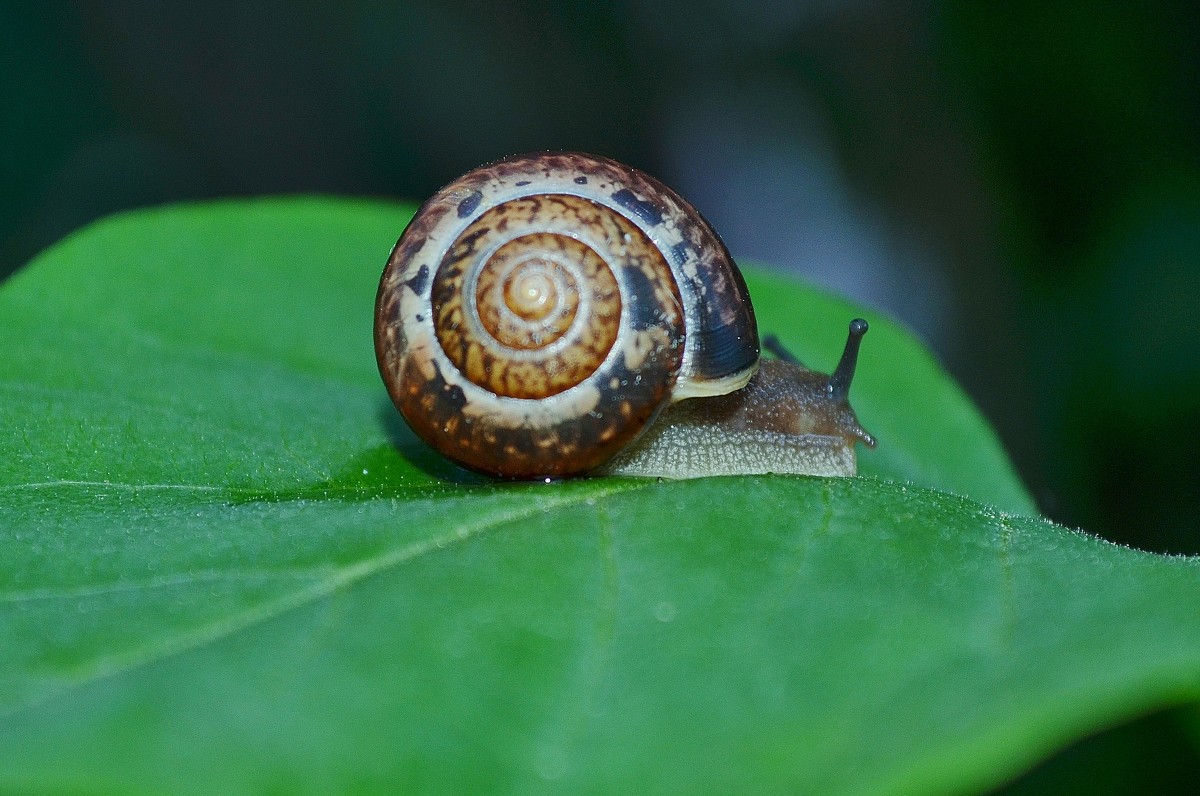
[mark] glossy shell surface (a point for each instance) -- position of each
(538, 312)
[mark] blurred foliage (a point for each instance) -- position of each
(1089, 117)
(1018, 182)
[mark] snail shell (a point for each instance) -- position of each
(539, 313)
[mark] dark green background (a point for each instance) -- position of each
(1022, 178)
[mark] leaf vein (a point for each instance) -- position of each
(160, 582)
(320, 587)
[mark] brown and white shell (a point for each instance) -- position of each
(539, 312)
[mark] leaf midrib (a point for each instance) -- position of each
(327, 581)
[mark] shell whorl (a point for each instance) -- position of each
(537, 313)
(533, 315)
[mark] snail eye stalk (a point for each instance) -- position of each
(839, 382)
(776, 347)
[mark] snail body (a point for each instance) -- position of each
(539, 314)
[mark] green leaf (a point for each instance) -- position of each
(229, 567)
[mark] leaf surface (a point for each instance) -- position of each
(228, 566)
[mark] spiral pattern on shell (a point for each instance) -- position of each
(539, 312)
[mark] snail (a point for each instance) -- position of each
(558, 314)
